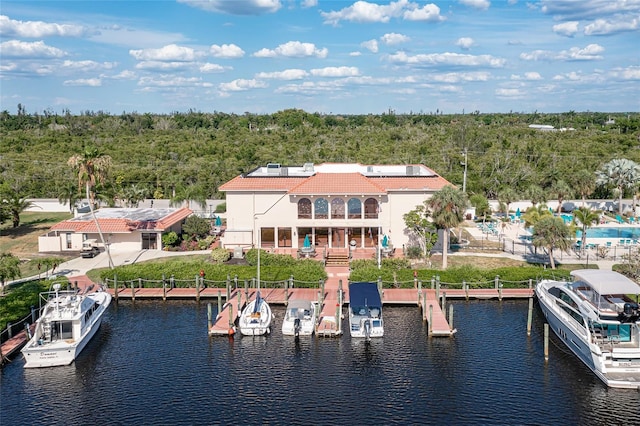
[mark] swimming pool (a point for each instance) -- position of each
(626, 232)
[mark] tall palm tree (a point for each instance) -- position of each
(552, 233)
(585, 218)
(562, 190)
(534, 214)
(536, 194)
(507, 196)
(621, 174)
(92, 168)
(584, 183)
(447, 211)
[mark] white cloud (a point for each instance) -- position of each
(91, 82)
(629, 73)
(509, 93)
(309, 3)
(355, 54)
(605, 27)
(172, 81)
(567, 29)
(370, 45)
(589, 53)
(8, 67)
(23, 49)
(209, 67)
(477, 4)
(391, 39)
(448, 58)
(134, 38)
(587, 9)
(162, 65)
(236, 7)
(427, 13)
(89, 65)
(529, 76)
(241, 85)
(291, 74)
(366, 12)
(226, 51)
(336, 72)
(124, 75)
(457, 77)
(293, 49)
(38, 29)
(465, 43)
(171, 52)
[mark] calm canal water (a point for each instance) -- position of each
(153, 363)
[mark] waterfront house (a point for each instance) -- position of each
(331, 205)
(124, 229)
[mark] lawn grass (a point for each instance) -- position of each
(22, 241)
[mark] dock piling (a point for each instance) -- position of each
(546, 342)
(451, 317)
(209, 316)
(219, 302)
(430, 319)
(529, 316)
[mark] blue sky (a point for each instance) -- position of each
(340, 57)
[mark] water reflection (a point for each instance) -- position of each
(153, 363)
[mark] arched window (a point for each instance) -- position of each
(337, 208)
(321, 207)
(304, 208)
(371, 208)
(354, 207)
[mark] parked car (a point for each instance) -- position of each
(90, 248)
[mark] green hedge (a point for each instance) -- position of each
(303, 270)
(20, 298)
(509, 276)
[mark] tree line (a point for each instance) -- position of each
(188, 155)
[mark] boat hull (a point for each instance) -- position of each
(256, 322)
(38, 352)
(300, 319)
(615, 367)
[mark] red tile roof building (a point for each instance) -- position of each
(125, 229)
(333, 205)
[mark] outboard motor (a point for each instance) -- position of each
(367, 329)
(629, 312)
(296, 327)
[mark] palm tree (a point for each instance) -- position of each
(447, 211)
(187, 193)
(68, 193)
(552, 233)
(92, 168)
(584, 182)
(9, 268)
(14, 205)
(621, 174)
(536, 194)
(534, 214)
(585, 217)
(507, 196)
(562, 191)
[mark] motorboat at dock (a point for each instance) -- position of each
(365, 310)
(596, 319)
(68, 320)
(300, 318)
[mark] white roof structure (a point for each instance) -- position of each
(606, 282)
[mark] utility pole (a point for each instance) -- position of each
(464, 176)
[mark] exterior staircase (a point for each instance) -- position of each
(337, 258)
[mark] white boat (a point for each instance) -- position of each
(365, 310)
(597, 320)
(255, 318)
(68, 320)
(300, 318)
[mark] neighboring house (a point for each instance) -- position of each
(334, 205)
(122, 228)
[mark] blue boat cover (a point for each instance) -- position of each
(364, 294)
(256, 306)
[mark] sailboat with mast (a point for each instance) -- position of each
(255, 318)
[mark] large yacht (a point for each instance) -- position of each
(596, 315)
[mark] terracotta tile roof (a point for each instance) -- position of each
(275, 183)
(85, 224)
(338, 183)
(173, 218)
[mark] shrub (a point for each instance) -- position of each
(414, 252)
(169, 239)
(220, 255)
